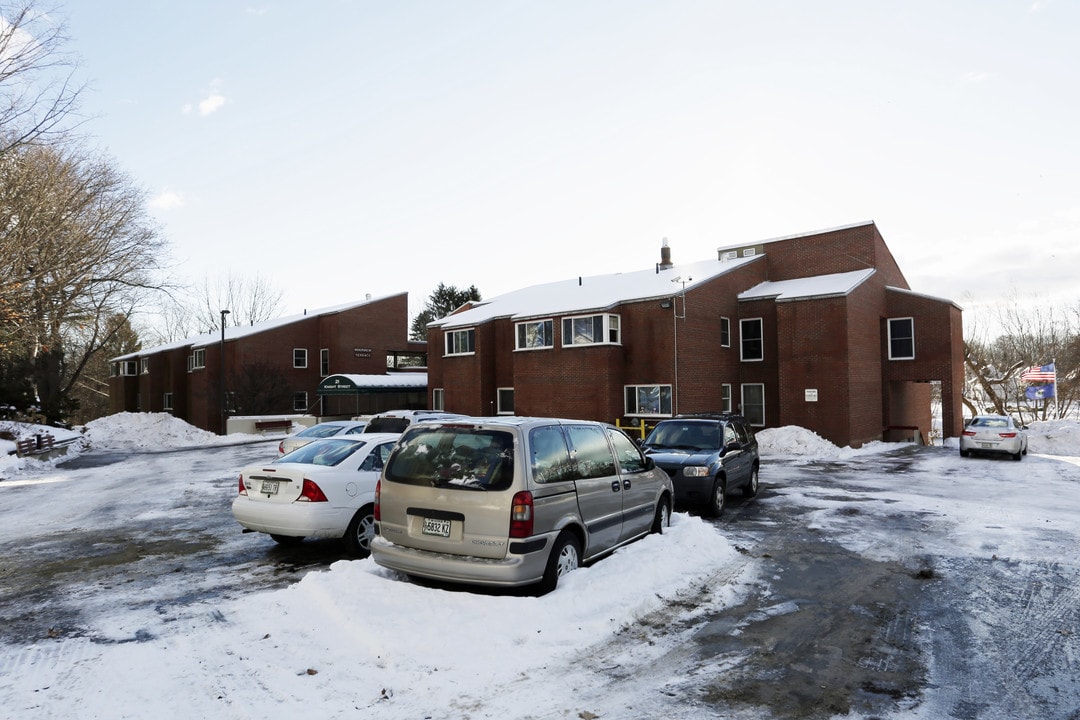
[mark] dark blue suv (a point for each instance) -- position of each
(707, 456)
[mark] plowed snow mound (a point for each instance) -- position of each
(136, 431)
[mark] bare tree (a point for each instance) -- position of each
(39, 93)
(76, 250)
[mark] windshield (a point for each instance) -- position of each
(322, 452)
(320, 431)
(694, 436)
(454, 457)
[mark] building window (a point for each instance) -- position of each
(324, 362)
(505, 401)
(299, 401)
(591, 330)
(902, 338)
(648, 399)
(129, 367)
(144, 366)
(535, 334)
(725, 398)
(196, 360)
(753, 404)
(166, 402)
(725, 332)
(751, 337)
(438, 399)
(299, 358)
(461, 342)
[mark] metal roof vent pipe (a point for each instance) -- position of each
(665, 257)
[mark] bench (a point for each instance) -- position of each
(35, 445)
(264, 425)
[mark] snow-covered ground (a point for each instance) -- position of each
(359, 641)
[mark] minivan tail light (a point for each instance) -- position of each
(243, 488)
(378, 493)
(521, 515)
(311, 493)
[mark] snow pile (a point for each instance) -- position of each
(792, 440)
(149, 431)
(1054, 437)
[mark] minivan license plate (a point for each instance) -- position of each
(436, 527)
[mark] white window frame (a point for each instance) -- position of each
(725, 397)
(664, 398)
(499, 392)
(761, 339)
(144, 366)
(911, 338)
(725, 332)
(301, 406)
(166, 402)
(438, 399)
(197, 359)
(129, 368)
(742, 405)
(546, 336)
(452, 345)
(324, 362)
(296, 362)
(610, 324)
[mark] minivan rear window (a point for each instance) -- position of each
(454, 457)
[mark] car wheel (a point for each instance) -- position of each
(1018, 456)
(964, 453)
(361, 530)
(750, 489)
(565, 557)
(287, 539)
(717, 498)
(662, 518)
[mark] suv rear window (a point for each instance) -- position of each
(387, 425)
(453, 457)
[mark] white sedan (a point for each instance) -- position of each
(994, 434)
(332, 428)
(325, 489)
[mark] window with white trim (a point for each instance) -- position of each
(649, 400)
(299, 358)
(751, 340)
(725, 397)
(535, 334)
(505, 401)
(324, 362)
(144, 366)
(725, 332)
(902, 338)
(299, 401)
(461, 342)
(166, 402)
(129, 367)
(196, 360)
(591, 330)
(438, 399)
(753, 403)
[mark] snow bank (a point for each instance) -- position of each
(792, 440)
(150, 431)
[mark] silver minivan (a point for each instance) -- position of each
(513, 501)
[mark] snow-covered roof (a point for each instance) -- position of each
(239, 331)
(596, 292)
(350, 383)
(802, 234)
(922, 295)
(833, 285)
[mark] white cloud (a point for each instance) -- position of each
(211, 104)
(167, 200)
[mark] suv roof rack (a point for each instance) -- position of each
(708, 416)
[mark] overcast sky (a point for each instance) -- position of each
(347, 147)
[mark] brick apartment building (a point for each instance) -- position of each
(818, 330)
(360, 339)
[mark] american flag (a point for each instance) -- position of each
(1039, 373)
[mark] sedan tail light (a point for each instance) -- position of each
(311, 493)
(243, 488)
(1007, 434)
(969, 433)
(521, 515)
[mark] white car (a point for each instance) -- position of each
(994, 434)
(325, 489)
(332, 428)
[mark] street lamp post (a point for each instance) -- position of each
(221, 371)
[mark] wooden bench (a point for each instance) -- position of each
(264, 425)
(35, 445)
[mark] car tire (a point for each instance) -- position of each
(565, 557)
(662, 519)
(287, 539)
(717, 498)
(964, 453)
(360, 532)
(751, 487)
(1018, 456)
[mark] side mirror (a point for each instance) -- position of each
(650, 464)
